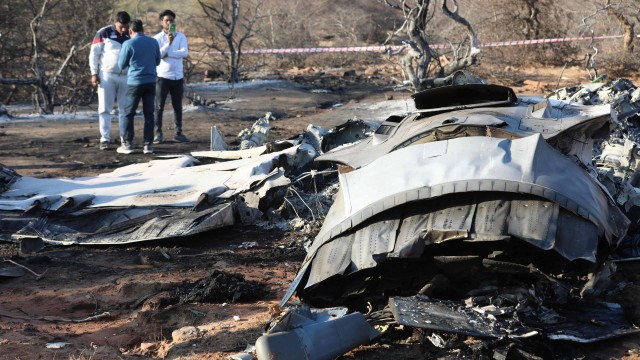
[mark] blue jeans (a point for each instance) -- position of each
(176, 89)
(146, 92)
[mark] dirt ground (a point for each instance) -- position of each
(119, 302)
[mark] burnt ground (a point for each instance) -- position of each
(118, 302)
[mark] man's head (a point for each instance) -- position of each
(121, 22)
(166, 18)
(136, 26)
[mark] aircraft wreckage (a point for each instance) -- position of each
(164, 198)
(479, 213)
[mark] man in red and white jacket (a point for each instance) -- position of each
(173, 49)
(107, 76)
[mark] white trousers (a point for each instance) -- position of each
(112, 87)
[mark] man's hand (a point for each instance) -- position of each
(170, 36)
(95, 80)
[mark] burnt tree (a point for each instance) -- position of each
(233, 25)
(420, 57)
(48, 55)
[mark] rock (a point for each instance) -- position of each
(349, 73)
(185, 334)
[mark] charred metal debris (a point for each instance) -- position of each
(180, 196)
(513, 221)
(509, 220)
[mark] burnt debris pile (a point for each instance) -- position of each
(486, 215)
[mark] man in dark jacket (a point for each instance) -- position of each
(141, 54)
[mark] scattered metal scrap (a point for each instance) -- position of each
(257, 135)
(484, 214)
(164, 198)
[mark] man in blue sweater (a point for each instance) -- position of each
(141, 54)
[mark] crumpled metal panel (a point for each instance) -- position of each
(408, 244)
(332, 259)
(535, 222)
(490, 218)
(127, 226)
(576, 237)
(374, 239)
(527, 165)
(449, 223)
(354, 251)
(539, 222)
(559, 122)
(556, 189)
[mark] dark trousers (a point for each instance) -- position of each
(176, 89)
(146, 92)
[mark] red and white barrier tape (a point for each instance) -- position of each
(434, 46)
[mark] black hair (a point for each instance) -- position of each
(167, 12)
(123, 17)
(136, 26)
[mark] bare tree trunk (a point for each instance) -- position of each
(234, 56)
(35, 63)
(227, 26)
(472, 53)
(629, 27)
(417, 61)
(532, 22)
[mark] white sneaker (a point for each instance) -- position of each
(148, 149)
(125, 148)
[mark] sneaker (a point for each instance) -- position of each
(158, 138)
(181, 138)
(104, 145)
(148, 149)
(125, 148)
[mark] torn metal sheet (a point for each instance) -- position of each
(449, 316)
(348, 133)
(562, 124)
(587, 323)
(7, 177)
(269, 193)
(231, 154)
(578, 322)
(125, 226)
(156, 200)
(170, 182)
(217, 140)
(10, 271)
